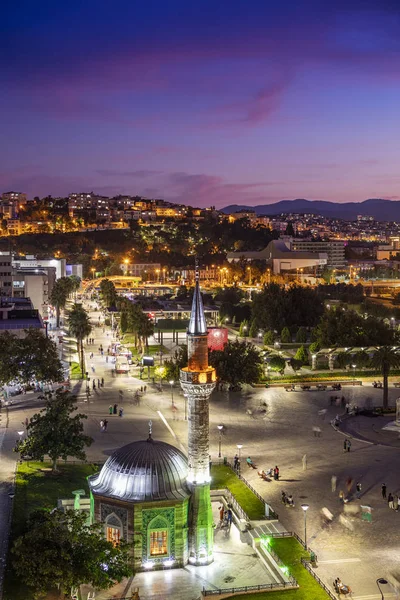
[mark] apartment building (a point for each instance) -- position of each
(335, 250)
(5, 274)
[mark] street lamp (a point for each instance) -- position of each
(93, 271)
(239, 447)
(380, 582)
(354, 374)
(126, 261)
(20, 433)
(171, 383)
(220, 428)
(305, 508)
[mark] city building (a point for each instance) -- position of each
(31, 262)
(279, 256)
(148, 493)
(335, 250)
(139, 269)
(5, 274)
(36, 284)
(18, 315)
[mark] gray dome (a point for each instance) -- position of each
(143, 471)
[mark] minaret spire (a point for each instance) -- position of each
(198, 381)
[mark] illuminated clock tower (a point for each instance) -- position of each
(198, 381)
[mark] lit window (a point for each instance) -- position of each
(158, 543)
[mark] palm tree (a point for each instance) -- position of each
(384, 359)
(58, 297)
(80, 328)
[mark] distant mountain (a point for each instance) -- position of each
(381, 210)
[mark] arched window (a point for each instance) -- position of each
(113, 529)
(158, 537)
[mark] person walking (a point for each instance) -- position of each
(115, 409)
(235, 462)
(304, 461)
(98, 383)
(333, 483)
(121, 412)
(110, 409)
(395, 502)
(105, 424)
(383, 489)
(221, 514)
(358, 489)
(345, 445)
(102, 425)
(390, 500)
(348, 445)
(102, 382)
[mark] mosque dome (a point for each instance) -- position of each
(143, 471)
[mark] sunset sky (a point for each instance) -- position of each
(205, 103)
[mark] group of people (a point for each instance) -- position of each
(393, 500)
(341, 588)
(287, 499)
(103, 425)
(113, 410)
(225, 517)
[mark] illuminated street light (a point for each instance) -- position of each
(220, 428)
(354, 374)
(93, 271)
(20, 433)
(171, 383)
(305, 508)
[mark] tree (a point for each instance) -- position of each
(296, 364)
(80, 328)
(61, 551)
(175, 364)
(239, 362)
(301, 335)
(54, 432)
(108, 292)
(286, 336)
(314, 347)
(145, 330)
(253, 329)
(383, 360)
(244, 329)
(269, 337)
(302, 355)
(346, 328)
(343, 359)
(59, 295)
(32, 358)
(277, 363)
(361, 359)
(123, 323)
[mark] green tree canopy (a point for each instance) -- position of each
(302, 355)
(269, 337)
(301, 335)
(33, 357)
(55, 432)
(108, 293)
(239, 362)
(286, 336)
(175, 364)
(61, 551)
(346, 328)
(59, 295)
(244, 329)
(277, 363)
(253, 329)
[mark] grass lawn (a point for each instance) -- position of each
(36, 487)
(223, 477)
(290, 551)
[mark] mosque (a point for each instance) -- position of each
(149, 493)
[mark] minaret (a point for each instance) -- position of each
(198, 381)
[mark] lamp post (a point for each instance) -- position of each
(354, 374)
(93, 271)
(20, 433)
(239, 447)
(220, 428)
(381, 581)
(305, 508)
(171, 383)
(126, 261)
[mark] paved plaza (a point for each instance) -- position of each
(279, 431)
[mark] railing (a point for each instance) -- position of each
(307, 565)
(251, 588)
(272, 513)
(232, 500)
